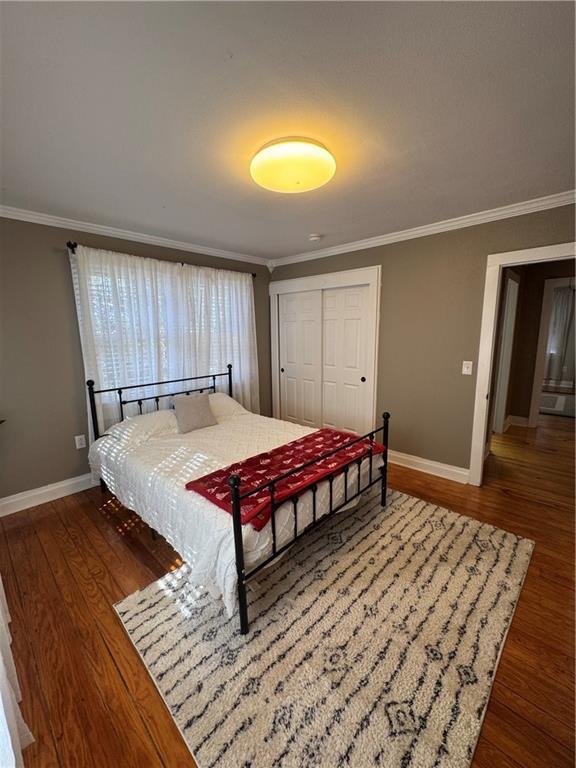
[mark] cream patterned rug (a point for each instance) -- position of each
(373, 643)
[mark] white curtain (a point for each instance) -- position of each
(14, 733)
(145, 320)
(560, 347)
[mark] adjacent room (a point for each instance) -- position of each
(287, 384)
(532, 408)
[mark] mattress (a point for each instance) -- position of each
(147, 471)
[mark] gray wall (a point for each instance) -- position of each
(524, 350)
(432, 292)
(431, 305)
(42, 395)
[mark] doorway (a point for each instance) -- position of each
(534, 371)
(484, 397)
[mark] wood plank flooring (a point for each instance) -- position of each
(90, 702)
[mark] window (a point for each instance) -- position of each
(144, 320)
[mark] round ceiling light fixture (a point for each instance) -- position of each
(292, 165)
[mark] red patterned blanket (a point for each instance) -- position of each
(265, 467)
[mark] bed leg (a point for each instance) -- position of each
(384, 467)
(243, 608)
(383, 486)
(103, 486)
(234, 483)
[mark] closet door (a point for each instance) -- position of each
(300, 331)
(347, 378)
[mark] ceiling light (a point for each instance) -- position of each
(292, 165)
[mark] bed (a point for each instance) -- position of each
(146, 463)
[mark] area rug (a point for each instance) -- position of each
(373, 643)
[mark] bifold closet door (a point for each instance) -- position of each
(347, 370)
(300, 331)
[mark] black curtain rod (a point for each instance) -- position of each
(72, 247)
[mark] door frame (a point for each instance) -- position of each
(495, 264)
(370, 276)
(504, 365)
(539, 367)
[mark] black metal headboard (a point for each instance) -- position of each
(122, 400)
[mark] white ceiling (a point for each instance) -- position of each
(145, 115)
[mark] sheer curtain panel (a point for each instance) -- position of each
(146, 320)
(560, 347)
(14, 733)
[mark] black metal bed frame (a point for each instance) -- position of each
(139, 400)
(234, 481)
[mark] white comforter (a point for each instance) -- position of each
(148, 475)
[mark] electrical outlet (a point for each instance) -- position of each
(467, 366)
(80, 441)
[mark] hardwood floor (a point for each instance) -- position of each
(90, 702)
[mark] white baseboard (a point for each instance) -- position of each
(36, 496)
(515, 421)
(448, 471)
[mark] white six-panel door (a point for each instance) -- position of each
(300, 332)
(346, 379)
(326, 356)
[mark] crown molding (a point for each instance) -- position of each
(48, 220)
(470, 220)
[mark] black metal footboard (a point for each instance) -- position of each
(349, 495)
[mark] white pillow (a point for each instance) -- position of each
(224, 407)
(145, 426)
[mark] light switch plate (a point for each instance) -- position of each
(80, 441)
(467, 366)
